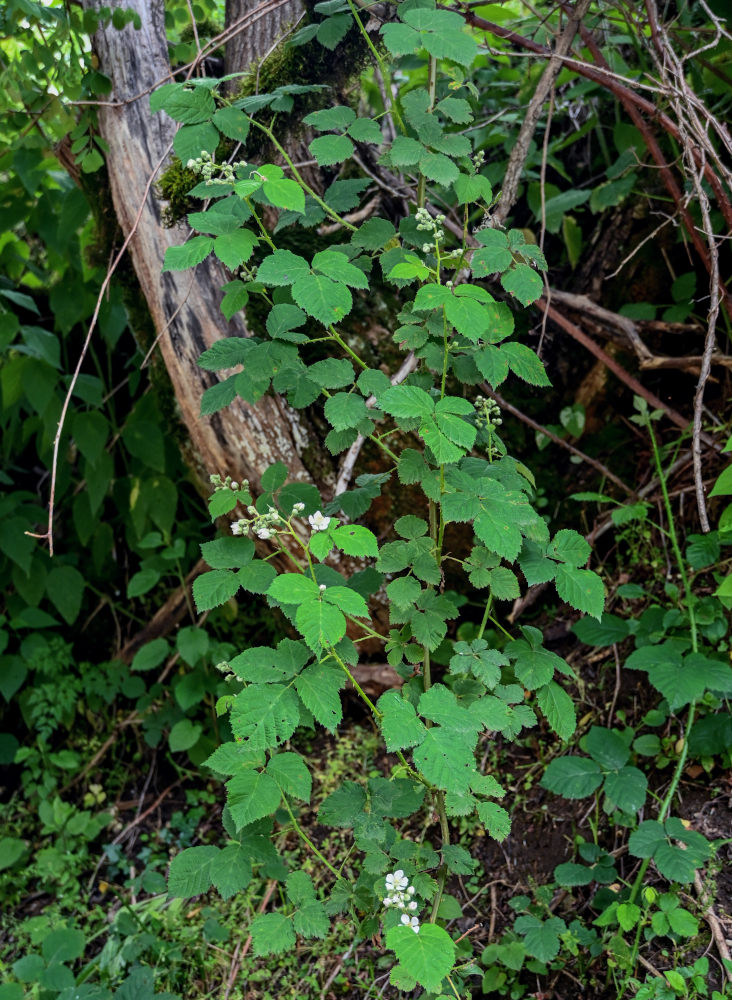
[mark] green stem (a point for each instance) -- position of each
(299, 178)
(344, 346)
(304, 837)
(383, 69)
(432, 89)
(679, 769)
(486, 616)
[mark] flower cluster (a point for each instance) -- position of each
(400, 894)
(264, 526)
(488, 412)
(208, 168)
(220, 484)
(426, 224)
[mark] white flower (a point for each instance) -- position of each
(388, 900)
(298, 508)
(321, 588)
(234, 485)
(396, 881)
(318, 521)
(411, 890)
(413, 905)
(263, 533)
(411, 922)
(236, 528)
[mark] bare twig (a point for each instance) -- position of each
(349, 460)
(602, 469)
(520, 150)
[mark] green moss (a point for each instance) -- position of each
(174, 184)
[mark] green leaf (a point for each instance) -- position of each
(608, 630)
(192, 140)
(333, 29)
(188, 255)
(320, 624)
(291, 774)
(265, 715)
(231, 871)
(293, 588)
(251, 795)
(326, 300)
(233, 123)
(331, 149)
(228, 552)
(285, 193)
(495, 819)
(558, 709)
(319, 687)
(235, 248)
(355, 540)
(150, 655)
(404, 401)
(272, 934)
(63, 945)
(257, 576)
(335, 119)
(439, 704)
(439, 168)
(428, 956)
(366, 130)
(541, 937)
(468, 317)
(188, 106)
(282, 268)
(190, 871)
(404, 152)
(184, 735)
(581, 588)
(374, 234)
(338, 267)
(65, 587)
(607, 747)
(572, 777)
(343, 806)
(400, 726)
(627, 789)
(446, 759)
(12, 850)
(523, 362)
(214, 588)
(523, 283)
(345, 409)
(570, 547)
(472, 187)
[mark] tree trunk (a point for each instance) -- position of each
(257, 42)
(241, 440)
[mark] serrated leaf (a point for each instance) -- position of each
(188, 255)
(272, 934)
(331, 149)
(190, 871)
(214, 588)
(345, 409)
(235, 248)
(265, 715)
(282, 268)
(356, 540)
(326, 300)
(293, 588)
(541, 937)
(319, 687)
(320, 624)
(406, 401)
(446, 759)
(523, 362)
(581, 588)
(233, 123)
(338, 267)
(290, 772)
(343, 806)
(558, 709)
(495, 819)
(337, 118)
(439, 168)
(251, 795)
(427, 956)
(285, 193)
(523, 283)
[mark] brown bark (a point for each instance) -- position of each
(241, 440)
(252, 45)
